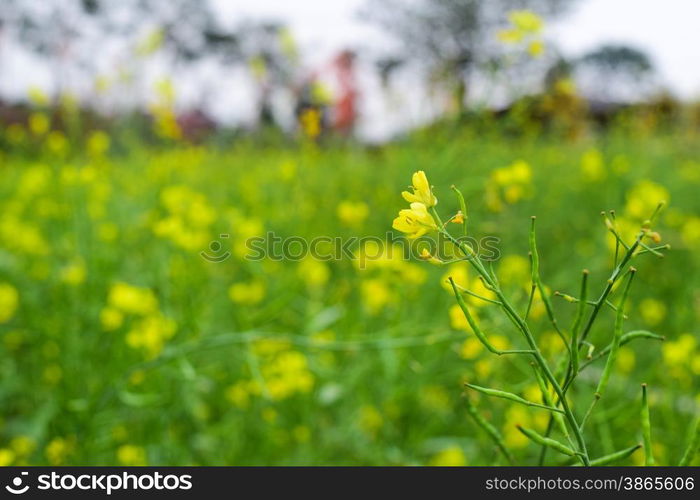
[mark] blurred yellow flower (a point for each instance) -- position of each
(690, 232)
(435, 397)
(150, 43)
(22, 445)
(9, 300)
(652, 311)
(679, 351)
(459, 273)
(132, 299)
(239, 393)
(310, 120)
(509, 184)
(6, 457)
(58, 450)
(643, 199)
(593, 166)
(477, 286)
(37, 96)
(287, 374)
(375, 295)
(248, 293)
(131, 455)
(536, 48)
(39, 123)
(471, 348)
(98, 143)
(74, 273)
(111, 318)
(514, 270)
(352, 214)
(370, 420)
(510, 36)
(516, 415)
(57, 143)
(533, 393)
(313, 272)
(452, 456)
(150, 333)
(526, 21)
(457, 319)
(625, 360)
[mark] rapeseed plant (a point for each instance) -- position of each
(553, 383)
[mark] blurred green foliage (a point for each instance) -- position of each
(120, 344)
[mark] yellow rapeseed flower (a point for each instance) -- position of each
(593, 166)
(7, 456)
(9, 299)
(111, 318)
(39, 123)
(315, 273)
(131, 455)
(452, 456)
(74, 273)
(644, 197)
(526, 21)
(151, 333)
(422, 193)
(680, 351)
(352, 213)
(376, 295)
(132, 299)
(247, 293)
(415, 221)
(58, 450)
(652, 311)
(536, 48)
(98, 143)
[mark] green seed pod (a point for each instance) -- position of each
(511, 397)
(545, 441)
(533, 252)
(475, 328)
(614, 457)
(547, 400)
(615, 346)
(578, 321)
(489, 429)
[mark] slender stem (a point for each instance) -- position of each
(522, 326)
(612, 356)
(577, 323)
(529, 302)
(476, 295)
(489, 429)
(617, 272)
(646, 428)
(537, 280)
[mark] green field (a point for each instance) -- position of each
(121, 344)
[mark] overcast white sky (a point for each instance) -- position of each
(668, 30)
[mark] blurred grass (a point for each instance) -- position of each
(320, 362)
